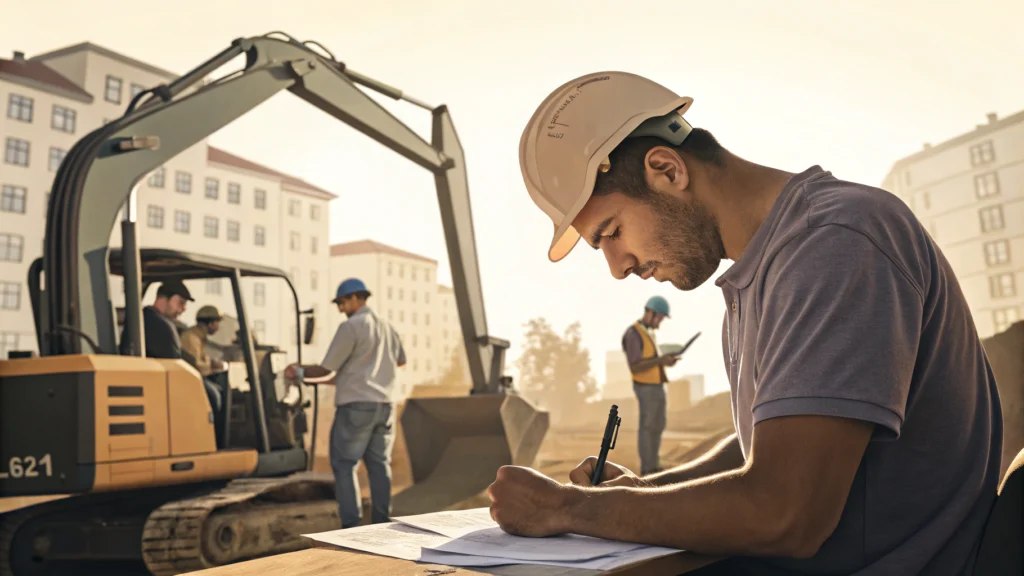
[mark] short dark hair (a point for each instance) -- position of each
(627, 171)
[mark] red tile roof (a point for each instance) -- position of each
(43, 74)
(228, 159)
(372, 247)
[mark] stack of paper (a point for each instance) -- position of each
(472, 538)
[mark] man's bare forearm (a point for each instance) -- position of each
(721, 515)
(725, 456)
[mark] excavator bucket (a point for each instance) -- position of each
(456, 446)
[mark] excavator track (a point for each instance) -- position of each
(247, 518)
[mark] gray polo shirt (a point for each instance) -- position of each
(365, 353)
(842, 305)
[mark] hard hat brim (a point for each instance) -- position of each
(566, 236)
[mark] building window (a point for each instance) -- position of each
(991, 218)
(426, 319)
(10, 296)
(155, 216)
(1005, 318)
(415, 365)
(427, 341)
(113, 89)
(63, 119)
(389, 268)
(259, 330)
(401, 270)
(11, 247)
(293, 274)
(182, 222)
(295, 241)
(314, 246)
(313, 280)
(8, 342)
(314, 212)
(259, 235)
(412, 295)
(428, 365)
(12, 199)
(1002, 286)
(997, 252)
(260, 198)
(426, 297)
(390, 293)
(234, 231)
(56, 157)
(211, 227)
(390, 318)
(426, 275)
(294, 208)
(213, 286)
(401, 294)
(136, 89)
(19, 108)
(414, 318)
(234, 193)
(986, 185)
(16, 152)
(183, 182)
(413, 340)
(259, 294)
(401, 315)
(982, 153)
(156, 179)
(212, 188)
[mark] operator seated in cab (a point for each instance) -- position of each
(193, 346)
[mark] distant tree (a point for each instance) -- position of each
(554, 370)
(457, 373)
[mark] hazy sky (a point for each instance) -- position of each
(850, 85)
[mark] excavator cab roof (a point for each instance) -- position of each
(159, 264)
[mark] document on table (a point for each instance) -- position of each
(497, 543)
(600, 563)
(391, 539)
(454, 523)
(472, 538)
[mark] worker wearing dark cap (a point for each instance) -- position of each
(162, 339)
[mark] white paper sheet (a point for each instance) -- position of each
(453, 523)
(497, 543)
(391, 539)
(600, 563)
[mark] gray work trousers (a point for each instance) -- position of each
(362, 431)
(653, 406)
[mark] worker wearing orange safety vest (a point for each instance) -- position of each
(648, 369)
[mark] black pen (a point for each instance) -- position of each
(611, 435)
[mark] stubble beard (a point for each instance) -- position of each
(686, 238)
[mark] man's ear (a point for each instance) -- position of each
(665, 170)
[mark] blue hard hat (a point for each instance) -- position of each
(657, 304)
(350, 286)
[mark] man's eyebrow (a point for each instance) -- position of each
(595, 237)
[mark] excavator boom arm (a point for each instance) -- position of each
(101, 170)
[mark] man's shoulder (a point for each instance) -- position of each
(845, 217)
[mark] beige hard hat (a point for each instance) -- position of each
(576, 127)
(209, 313)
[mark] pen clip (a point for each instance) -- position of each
(615, 438)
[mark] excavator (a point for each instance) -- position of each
(146, 473)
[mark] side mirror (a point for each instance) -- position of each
(308, 329)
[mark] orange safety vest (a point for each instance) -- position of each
(656, 374)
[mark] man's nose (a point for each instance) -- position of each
(620, 262)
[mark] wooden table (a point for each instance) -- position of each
(333, 561)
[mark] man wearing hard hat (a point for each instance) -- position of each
(648, 368)
(868, 424)
(364, 356)
(193, 341)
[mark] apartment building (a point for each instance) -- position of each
(205, 200)
(406, 293)
(969, 194)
